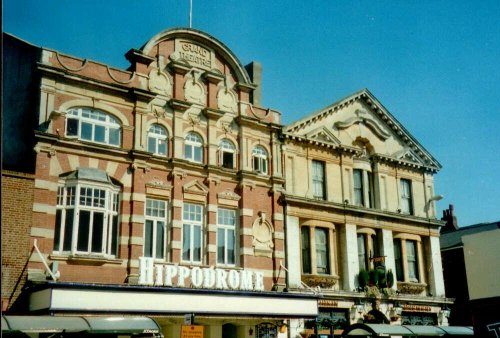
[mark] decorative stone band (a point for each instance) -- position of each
(411, 288)
(321, 281)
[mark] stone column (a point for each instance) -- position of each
(312, 241)
(436, 281)
(349, 249)
(387, 250)
(293, 251)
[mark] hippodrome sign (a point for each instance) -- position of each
(197, 277)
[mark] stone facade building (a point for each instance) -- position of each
(166, 190)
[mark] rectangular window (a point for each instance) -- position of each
(398, 260)
(192, 232)
(318, 179)
(322, 251)
(306, 250)
(226, 236)
(155, 231)
(227, 159)
(358, 187)
(406, 199)
(362, 252)
(411, 257)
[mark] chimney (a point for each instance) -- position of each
(254, 69)
(450, 218)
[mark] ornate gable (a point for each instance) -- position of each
(362, 119)
(196, 188)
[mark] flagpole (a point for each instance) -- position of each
(190, 13)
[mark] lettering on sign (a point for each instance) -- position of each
(192, 331)
(195, 54)
(328, 303)
(416, 308)
(197, 277)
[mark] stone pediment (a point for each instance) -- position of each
(362, 117)
(196, 188)
(409, 156)
(322, 134)
(229, 195)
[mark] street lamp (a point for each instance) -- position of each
(434, 198)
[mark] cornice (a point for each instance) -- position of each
(360, 211)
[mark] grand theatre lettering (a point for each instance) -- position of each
(195, 54)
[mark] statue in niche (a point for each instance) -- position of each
(262, 231)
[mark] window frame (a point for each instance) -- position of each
(226, 146)
(224, 258)
(260, 160)
(77, 202)
(157, 133)
(156, 205)
(358, 187)
(195, 226)
(403, 259)
(85, 117)
(194, 142)
(319, 179)
(309, 243)
(406, 196)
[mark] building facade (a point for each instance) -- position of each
(166, 190)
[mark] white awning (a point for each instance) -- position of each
(386, 330)
(81, 324)
(161, 300)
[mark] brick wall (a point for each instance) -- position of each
(17, 205)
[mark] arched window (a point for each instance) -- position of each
(227, 152)
(158, 140)
(93, 125)
(193, 148)
(87, 214)
(259, 159)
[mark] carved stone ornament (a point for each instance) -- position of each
(194, 91)
(159, 112)
(262, 232)
(226, 100)
(325, 282)
(411, 288)
(226, 126)
(160, 83)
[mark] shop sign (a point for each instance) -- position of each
(192, 331)
(328, 303)
(197, 277)
(416, 308)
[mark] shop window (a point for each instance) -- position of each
(368, 250)
(318, 179)
(93, 125)
(319, 240)
(227, 154)
(87, 214)
(155, 232)
(406, 197)
(193, 148)
(260, 160)
(192, 239)
(158, 140)
(226, 236)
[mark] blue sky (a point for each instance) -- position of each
(435, 65)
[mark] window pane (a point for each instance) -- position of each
(152, 144)
(114, 236)
(198, 157)
(162, 147)
(57, 232)
(398, 261)
(97, 232)
(197, 244)
(231, 246)
(188, 155)
(114, 136)
(362, 259)
(358, 187)
(99, 133)
(72, 127)
(83, 231)
(148, 238)
(220, 246)
(306, 260)
(68, 230)
(186, 242)
(227, 160)
(322, 262)
(411, 256)
(86, 131)
(160, 239)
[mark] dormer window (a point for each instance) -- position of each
(158, 140)
(227, 152)
(260, 160)
(93, 125)
(193, 148)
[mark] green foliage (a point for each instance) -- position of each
(363, 278)
(390, 278)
